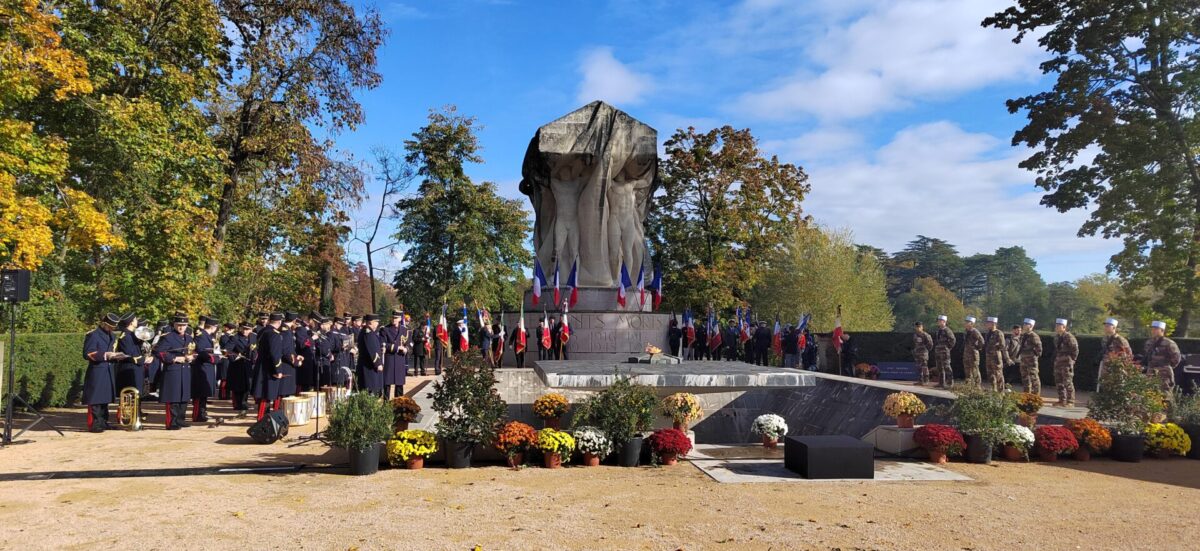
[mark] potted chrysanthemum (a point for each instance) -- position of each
(770, 427)
(939, 441)
(1166, 439)
(682, 408)
(550, 408)
(1051, 441)
(556, 445)
(404, 411)
(904, 407)
(1093, 438)
(513, 440)
(669, 445)
(1029, 404)
(410, 448)
(593, 444)
(1018, 439)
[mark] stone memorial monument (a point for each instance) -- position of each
(589, 176)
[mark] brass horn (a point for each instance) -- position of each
(127, 409)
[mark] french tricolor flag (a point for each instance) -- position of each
(557, 296)
(573, 283)
(623, 284)
(539, 280)
(656, 287)
(641, 284)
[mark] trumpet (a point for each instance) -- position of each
(128, 404)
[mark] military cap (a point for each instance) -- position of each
(1112, 321)
(1060, 321)
(371, 317)
(290, 316)
(179, 320)
(275, 316)
(111, 319)
(1159, 324)
(1029, 321)
(970, 319)
(943, 318)
(993, 319)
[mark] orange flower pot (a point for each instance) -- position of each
(415, 463)
(769, 442)
(904, 421)
(680, 426)
(591, 460)
(1011, 453)
(551, 460)
(669, 459)
(1082, 454)
(516, 460)
(1047, 456)
(938, 456)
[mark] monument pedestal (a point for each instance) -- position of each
(600, 328)
(894, 440)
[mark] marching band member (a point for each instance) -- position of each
(99, 381)
(131, 371)
(420, 342)
(291, 360)
(229, 330)
(204, 369)
(370, 356)
(326, 357)
(175, 351)
(394, 340)
(268, 370)
(237, 350)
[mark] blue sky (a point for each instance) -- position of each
(895, 109)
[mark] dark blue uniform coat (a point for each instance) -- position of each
(176, 383)
(237, 350)
(395, 364)
(204, 368)
(131, 372)
(270, 362)
(370, 358)
(287, 385)
(99, 381)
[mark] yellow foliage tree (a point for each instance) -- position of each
(33, 201)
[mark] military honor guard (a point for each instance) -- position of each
(922, 346)
(326, 344)
(268, 369)
(99, 381)
(288, 385)
(1112, 343)
(1161, 355)
(1066, 351)
(972, 346)
(421, 346)
(131, 370)
(995, 354)
(1029, 349)
(306, 375)
(393, 339)
(520, 339)
(943, 343)
(176, 351)
(204, 369)
(370, 356)
(228, 330)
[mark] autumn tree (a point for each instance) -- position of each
(724, 211)
(293, 65)
(1118, 132)
(463, 241)
(927, 300)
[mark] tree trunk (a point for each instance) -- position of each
(224, 212)
(326, 303)
(371, 278)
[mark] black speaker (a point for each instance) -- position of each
(272, 427)
(14, 286)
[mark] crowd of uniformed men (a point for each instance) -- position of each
(1159, 358)
(280, 355)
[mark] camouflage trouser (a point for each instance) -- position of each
(1030, 378)
(971, 369)
(995, 374)
(1064, 380)
(941, 356)
(1164, 374)
(922, 361)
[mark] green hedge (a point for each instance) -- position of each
(49, 368)
(897, 347)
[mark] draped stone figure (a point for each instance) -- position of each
(590, 176)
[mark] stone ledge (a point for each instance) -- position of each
(713, 376)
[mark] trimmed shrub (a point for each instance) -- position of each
(49, 368)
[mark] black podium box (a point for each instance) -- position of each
(829, 457)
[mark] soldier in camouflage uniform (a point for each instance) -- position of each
(995, 355)
(922, 345)
(972, 345)
(1030, 349)
(1161, 355)
(943, 342)
(1112, 343)
(1066, 351)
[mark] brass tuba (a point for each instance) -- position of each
(128, 404)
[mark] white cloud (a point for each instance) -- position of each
(938, 180)
(400, 10)
(606, 78)
(894, 54)
(822, 144)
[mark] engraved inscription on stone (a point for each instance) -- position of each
(606, 333)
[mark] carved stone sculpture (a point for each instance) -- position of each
(590, 176)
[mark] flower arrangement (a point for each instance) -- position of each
(1128, 400)
(1029, 403)
(682, 407)
(410, 444)
(669, 442)
(557, 442)
(515, 437)
(1054, 440)
(1019, 436)
(769, 425)
(652, 350)
(1167, 438)
(903, 403)
(405, 410)
(866, 371)
(1090, 434)
(551, 406)
(592, 440)
(940, 438)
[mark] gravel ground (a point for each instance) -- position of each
(1065, 505)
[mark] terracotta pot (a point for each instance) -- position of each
(680, 426)
(1160, 454)
(904, 421)
(400, 425)
(1082, 454)
(415, 463)
(1011, 453)
(669, 458)
(552, 423)
(591, 460)
(516, 460)
(769, 442)
(552, 460)
(1047, 456)
(938, 456)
